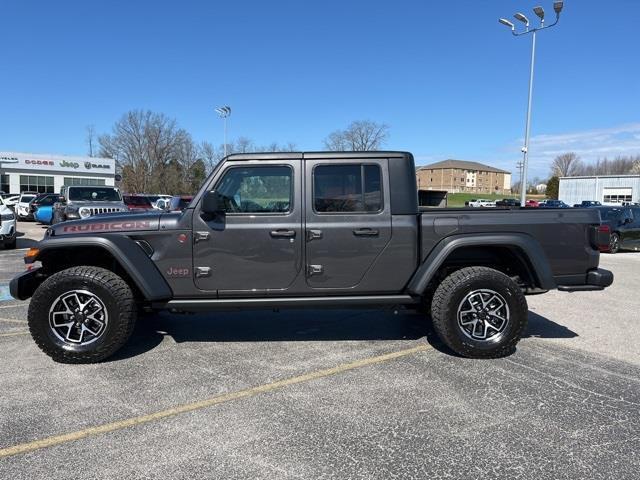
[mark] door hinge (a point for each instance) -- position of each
(203, 272)
(200, 236)
(314, 270)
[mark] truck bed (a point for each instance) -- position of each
(565, 248)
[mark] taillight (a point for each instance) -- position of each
(603, 237)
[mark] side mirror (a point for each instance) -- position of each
(212, 203)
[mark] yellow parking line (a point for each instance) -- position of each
(13, 334)
(190, 407)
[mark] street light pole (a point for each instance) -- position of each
(525, 150)
(224, 112)
(539, 11)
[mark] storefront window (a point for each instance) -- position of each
(83, 182)
(4, 183)
(36, 183)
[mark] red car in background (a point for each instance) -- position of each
(532, 204)
(179, 203)
(136, 203)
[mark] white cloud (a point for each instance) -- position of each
(589, 145)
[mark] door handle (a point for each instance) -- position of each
(282, 233)
(366, 232)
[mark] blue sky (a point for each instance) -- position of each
(445, 76)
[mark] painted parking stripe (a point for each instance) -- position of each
(13, 334)
(12, 320)
(5, 296)
(210, 402)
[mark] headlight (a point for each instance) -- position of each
(8, 216)
(85, 212)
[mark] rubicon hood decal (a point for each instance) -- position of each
(130, 222)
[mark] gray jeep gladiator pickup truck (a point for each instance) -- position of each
(307, 230)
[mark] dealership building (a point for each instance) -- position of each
(43, 173)
(607, 189)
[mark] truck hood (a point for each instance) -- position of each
(109, 223)
(97, 204)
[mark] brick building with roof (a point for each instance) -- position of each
(457, 176)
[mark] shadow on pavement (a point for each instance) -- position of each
(302, 325)
(542, 327)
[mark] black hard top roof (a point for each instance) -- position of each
(315, 155)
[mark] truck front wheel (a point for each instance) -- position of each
(82, 314)
(479, 312)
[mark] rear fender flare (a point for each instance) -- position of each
(529, 246)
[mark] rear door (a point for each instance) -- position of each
(348, 220)
(256, 246)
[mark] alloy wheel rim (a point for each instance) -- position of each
(78, 317)
(613, 244)
(483, 314)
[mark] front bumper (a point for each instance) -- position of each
(7, 231)
(596, 279)
(24, 284)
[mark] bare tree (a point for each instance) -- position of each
(566, 165)
(90, 138)
(154, 154)
(359, 136)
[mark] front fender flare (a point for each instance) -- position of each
(126, 252)
(530, 247)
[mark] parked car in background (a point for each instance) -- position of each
(82, 202)
(508, 202)
(10, 200)
(7, 226)
(22, 207)
(159, 201)
(624, 225)
(43, 207)
(179, 203)
(588, 204)
(481, 203)
(42, 199)
(137, 203)
(532, 204)
(554, 204)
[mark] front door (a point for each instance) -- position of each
(256, 245)
(348, 220)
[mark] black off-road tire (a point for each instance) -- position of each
(112, 291)
(454, 289)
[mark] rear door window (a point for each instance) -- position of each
(347, 189)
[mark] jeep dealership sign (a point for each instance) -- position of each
(56, 163)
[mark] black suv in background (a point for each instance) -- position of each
(508, 202)
(624, 224)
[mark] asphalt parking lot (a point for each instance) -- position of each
(330, 394)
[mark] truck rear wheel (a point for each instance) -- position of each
(82, 314)
(479, 312)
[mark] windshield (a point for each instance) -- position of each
(91, 194)
(27, 198)
(611, 214)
